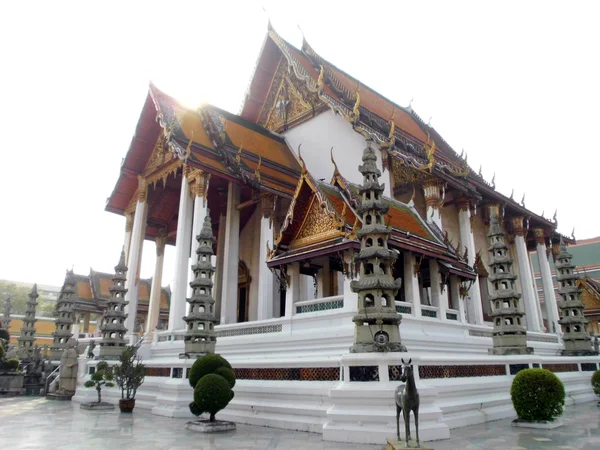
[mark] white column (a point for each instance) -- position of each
(198, 182)
(412, 292)
(229, 293)
(219, 263)
(525, 276)
(535, 294)
(156, 290)
(135, 258)
(434, 198)
(128, 228)
(460, 304)
(293, 288)
(473, 299)
(182, 251)
(266, 280)
(439, 293)
(547, 283)
(324, 280)
(350, 298)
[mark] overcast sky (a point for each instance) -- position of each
(516, 84)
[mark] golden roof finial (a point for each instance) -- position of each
(356, 110)
(429, 148)
(392, 135)
(223, 134)
(336, 172)
(188, 149)
(304, 171)
(238, 156)
(321, 80)
(257, 171)
(494, 181)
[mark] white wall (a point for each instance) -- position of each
(327, 130)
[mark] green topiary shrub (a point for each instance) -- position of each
(12, 364)
(205, 365)
(596, 382)
(228, 374)
(103, 376)
(212, 394)
(4, 334)
(537, 394)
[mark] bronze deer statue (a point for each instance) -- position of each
(407, 400)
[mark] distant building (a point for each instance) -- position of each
(46, 291)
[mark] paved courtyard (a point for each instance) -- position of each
(36, 423)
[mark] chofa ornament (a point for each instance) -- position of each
(407, 400)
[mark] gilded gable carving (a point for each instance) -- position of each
(159, 155)
(318, 225)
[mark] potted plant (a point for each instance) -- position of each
(538, 396)
(103, 376)
(129, 376)
(213, 380)
(596, 383)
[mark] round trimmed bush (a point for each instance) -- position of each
(227, 374)
(537, 394)
(4, 334)
(596, 382)
(207, 364)
(212, 394)
(12, 364)
(194, 409)
(2, 351)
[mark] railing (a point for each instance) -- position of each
(319, 304)
(429, 311)
(49, 379)
(403, 307)
(452, 314)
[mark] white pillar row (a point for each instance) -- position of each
(219, 263)
(324, 280)
(439, 292)
(547, 283)
(459, 304)
(266, 279)
(128, 228)
(156, 290)
(412, 292)
(525, 276)
(198, 182)
(293, 288)
(229, 292)
(182, 251)
(135, 257)
(536, 294)
(350, 298)
(434, 199)
(473, 298)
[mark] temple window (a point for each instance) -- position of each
(369, 301)
(201, 326)
(385, 300)
(508, 321)
(368, 269)
(369, 242)
(368, 219)
(380, 242)
(200, 308)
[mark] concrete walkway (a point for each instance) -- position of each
(36, 423)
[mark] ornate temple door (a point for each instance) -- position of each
(244, 280)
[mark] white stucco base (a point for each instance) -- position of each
(343, 410)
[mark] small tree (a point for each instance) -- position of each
(213, 380)
(596, 383)
(130, 373)
(103, 376)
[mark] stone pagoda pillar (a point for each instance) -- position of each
(376, 324)
(510, 334)
(266, 280)
(182, 251)
(434, 199)
(156, 290)
(7, 310)
(135, 256)
(547, 283)
(198, 181)
(200, 337)
(113, 322)
(27, 337)
(467, 240)
(575, 336)
(64, 318)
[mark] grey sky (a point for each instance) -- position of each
(513, 83)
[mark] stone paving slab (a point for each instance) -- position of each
(35, 423)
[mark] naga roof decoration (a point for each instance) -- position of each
(322, 216)
(408, 140)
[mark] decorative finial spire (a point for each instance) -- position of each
(512, 194)
(257, 171)
(429, 121)
(188, 149)
(573, 234)
(494, 181)
(321, 80)
(462, 152)
(523, 201)
(355, 109)
(304, 171)
(480, 169)
(238, 156)
(554, 219)
(336, 172)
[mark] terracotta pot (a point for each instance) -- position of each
(126, 405)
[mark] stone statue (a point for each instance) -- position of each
(407, 400)
(92, 346)
(68, 369)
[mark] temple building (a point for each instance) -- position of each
(297, 232)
